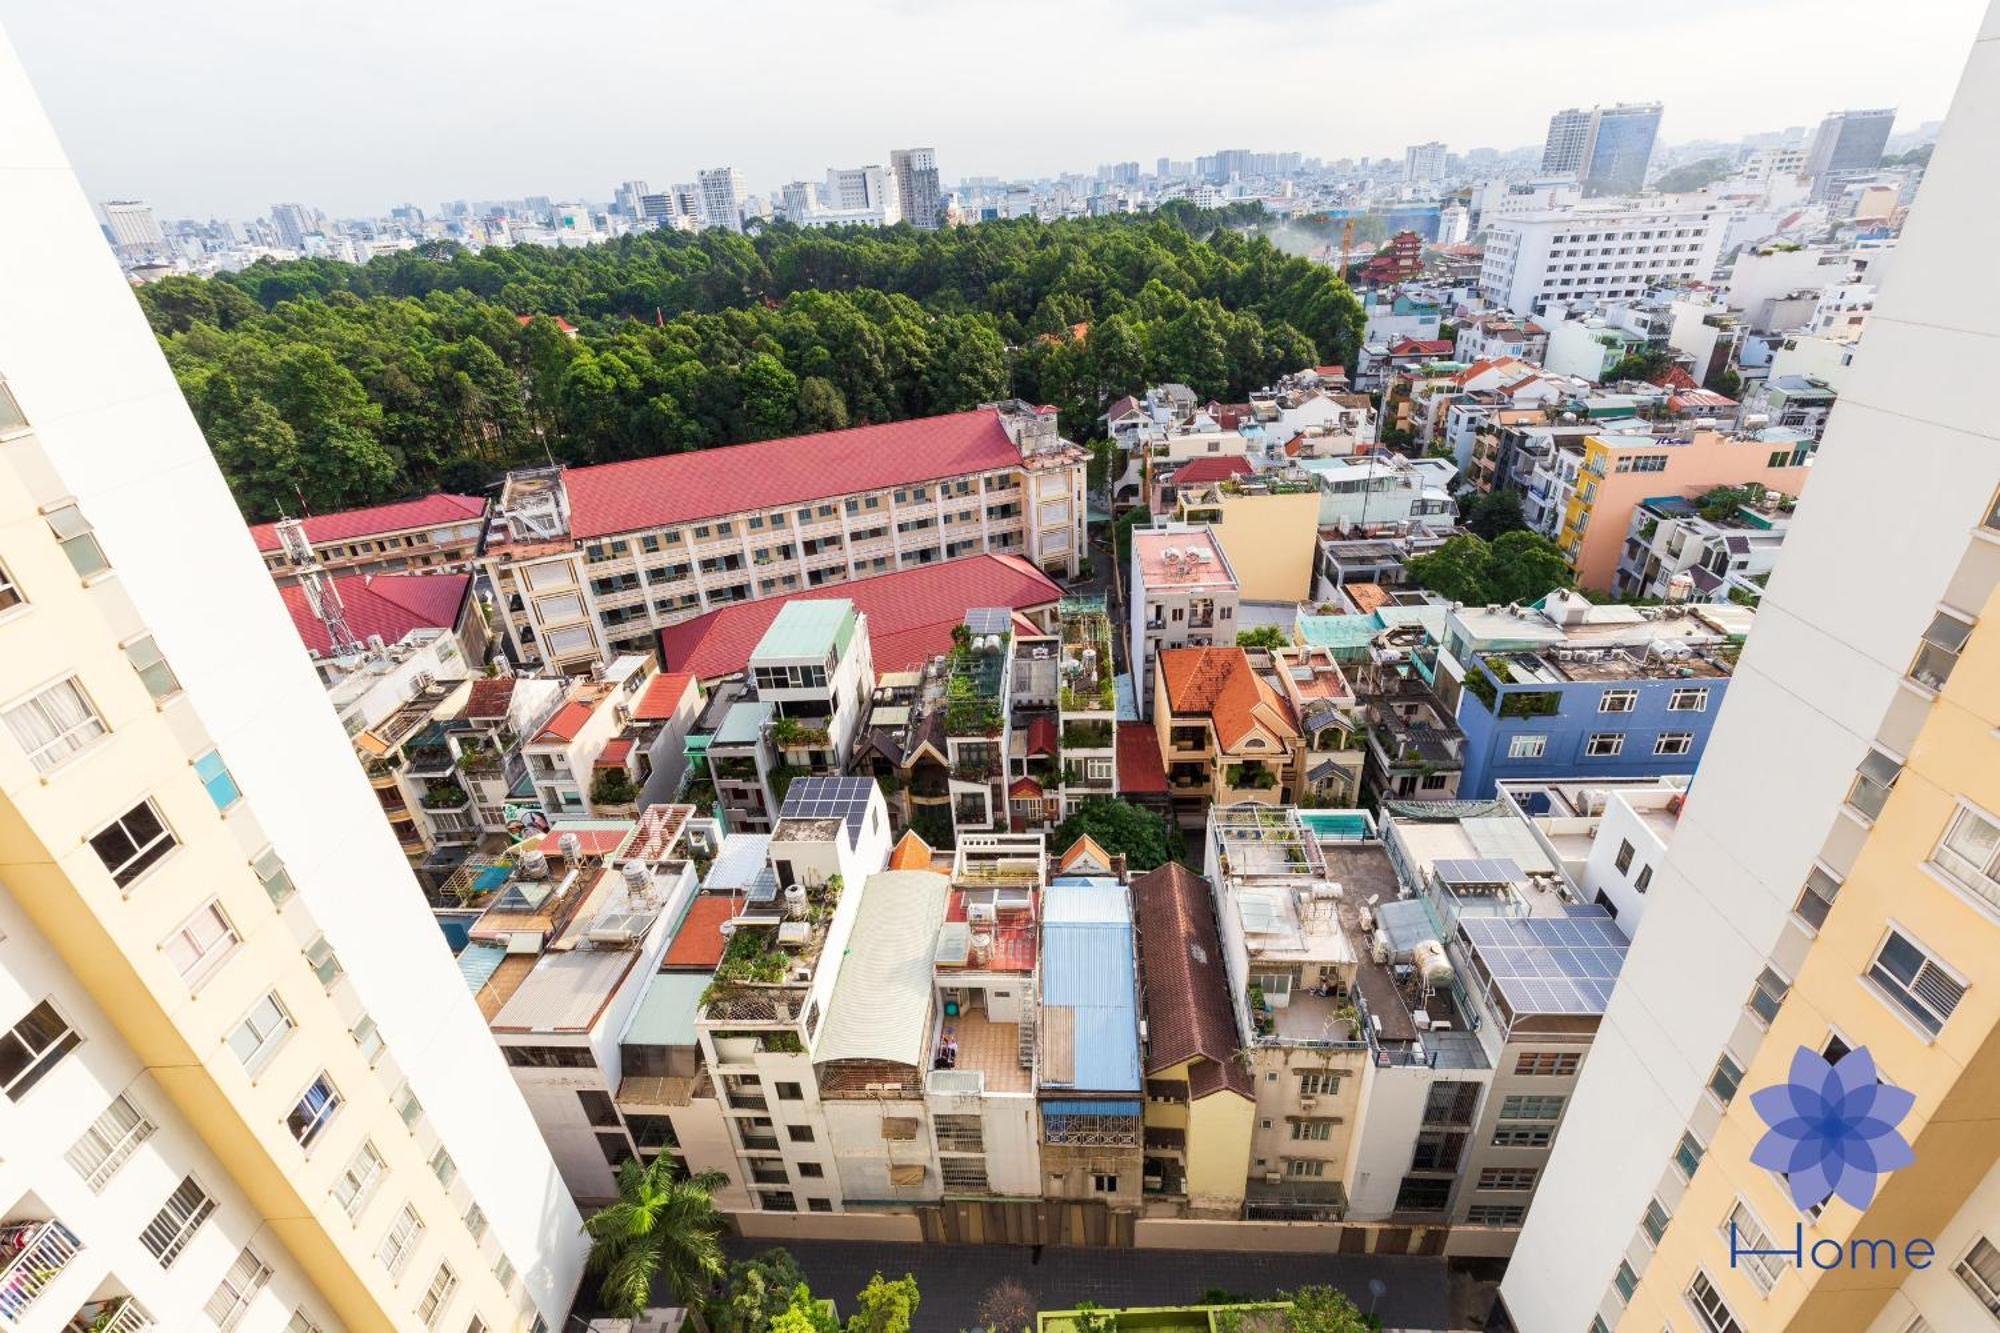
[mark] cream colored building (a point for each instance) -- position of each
(241, 1084)
(1269, 527)
(1832, 883)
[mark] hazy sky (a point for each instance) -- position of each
(224, 106)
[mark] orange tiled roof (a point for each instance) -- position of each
(1221, 683)
(911, 853)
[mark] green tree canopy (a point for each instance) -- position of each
(661, 1230)
(1518, 566)
(1693, 175)
(1264, 636)
(1324, 1310)
(885, 1306)
(1495, 514)
(1116, 826)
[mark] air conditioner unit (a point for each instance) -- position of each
(979, 914)
(1274, 1177)
(1307, 1103)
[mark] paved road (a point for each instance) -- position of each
(952, 1278)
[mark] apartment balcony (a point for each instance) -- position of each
(748, 1101)
(769, 1175)
(119, 1315)
(40, 1250)
(760, 1143)
(447, 798)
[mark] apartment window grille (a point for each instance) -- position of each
(146, 659)
(201, 944)
(55, 725)
(1816, 898)
(109, 1142)
(1969, 854)
(32, 1047)
(261, 1032)
(401, 1241)
(1674, 743)
(177, 1221)
(315, 1107)
(1915, 981)
(1694, 700)
(240, 1285)
(437, 1296)
(1604, 745)
(217, 780)
(357, 1183)
(1507, 1178)
(1617, 701)
(78, 540)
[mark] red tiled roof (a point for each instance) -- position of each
(617, 752)
(708, 483)
(662, 697)
(911, 614)
(490, 698)
(1118, 409)
(1330, 372)
(1025, 787)
(699, 942)
(428, 512)
(1420, 347)
(1140, 772)
(1042, 735)
(911, 853)
(1675, 377)
(525, 320)
(1691, 399)
(568, 721)
(1212, 467)
(390, 605)
(1188, 1010)
(1221, 683)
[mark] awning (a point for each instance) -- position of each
(1091, 1108)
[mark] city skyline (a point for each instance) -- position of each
(161, 117)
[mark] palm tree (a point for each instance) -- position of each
(661, 1229)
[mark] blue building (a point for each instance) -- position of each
(1568, 690)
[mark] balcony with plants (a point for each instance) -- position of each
(445, 796)
(975, 684)
(1251, 775)
(1088, 678)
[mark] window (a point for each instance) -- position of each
(1522, 1136)
(437, 1296)
(1942, 643)
(1979, 1270)
(1767, 993)
(1693, 700)
(1654, 1222)
(1624, 858)
(10, 595)
(401, 1241)
(1969, 854)
(240, 1285)
(1625, 1280)
(1674, 742)
(1546, 1063)
(503, 1273)
(1316, 1131)
(356, 1185)
(1319, 1083)
(271, 873)
(1753, 1247)
(316, 1105)
(320, 958)
(261, 1032)
(1527, 747)
(1103, 1182)
(475, 1221)
(1725, 1078)
(176, 1222)
(133, 843)
(77, 539)
(811, 1171)
(1617, 701)
(408, 1109)
(1920, 985)
(1506, 1178)
(549, 1057)
(790, 1092)
(368, 1039)
(1873, 781)
(111, 1139)
(54, 725)
(1604, 745)
(201, 944)
(819, 1205)
(1707, 1303)
(1496, 1214)
(1687, 1155)
(32, 1047)
(444, 1168)
(1816, 898)
(214, 775)
(899, 1128)
(1645, 879)
(799, 1133)
(1531, 1108)
(598, 1108)
(301, 1322)
(144, 655)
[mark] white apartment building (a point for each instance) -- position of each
(866, 195)
(1822, 890)
(1184, 594)
(204, 911)
(1595, 252)
(133, 225)
(918, 187)
(1424, 162)
(719, 197)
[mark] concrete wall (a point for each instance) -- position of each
(888, 1228)
(1269, 540)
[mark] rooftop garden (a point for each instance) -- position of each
(791, 734)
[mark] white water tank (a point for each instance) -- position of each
(1378, 946)
(638, 876)
(534, 865)
(570, 845)
(795, 901)
(1432, 965)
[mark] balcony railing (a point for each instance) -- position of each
(44, 1250)
(121, 1315)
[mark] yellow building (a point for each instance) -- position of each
(1269, 529)
(1199, 1102)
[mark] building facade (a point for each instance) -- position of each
(1610, 249)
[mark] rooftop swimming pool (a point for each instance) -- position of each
(1336, 825)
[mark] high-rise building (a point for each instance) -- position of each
(134, 228)
(1423, 162)
(1847, 146)
(628, 197)
(294, 224)
(721, 198)
(1832, 883)
(862, 194)
(918, 187)
(1569, 135)
(241, 1082)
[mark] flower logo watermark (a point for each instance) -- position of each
(1833, 1128)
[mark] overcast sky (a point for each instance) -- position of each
(224, 106)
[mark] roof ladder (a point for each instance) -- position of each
(1024, 1032)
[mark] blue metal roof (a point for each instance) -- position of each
(1087, 966)
(478, 962)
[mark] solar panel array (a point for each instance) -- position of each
(989, 620)
(829, 798)
(1479, 870)
(1550, 965)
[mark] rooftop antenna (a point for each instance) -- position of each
(321, 593)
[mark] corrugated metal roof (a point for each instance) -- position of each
(477, 961)
(807, 629)
(737, 861)
(1091, 1108)
(566, 991)
(1087, 968)
(881, 1001)
(666, 1013)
